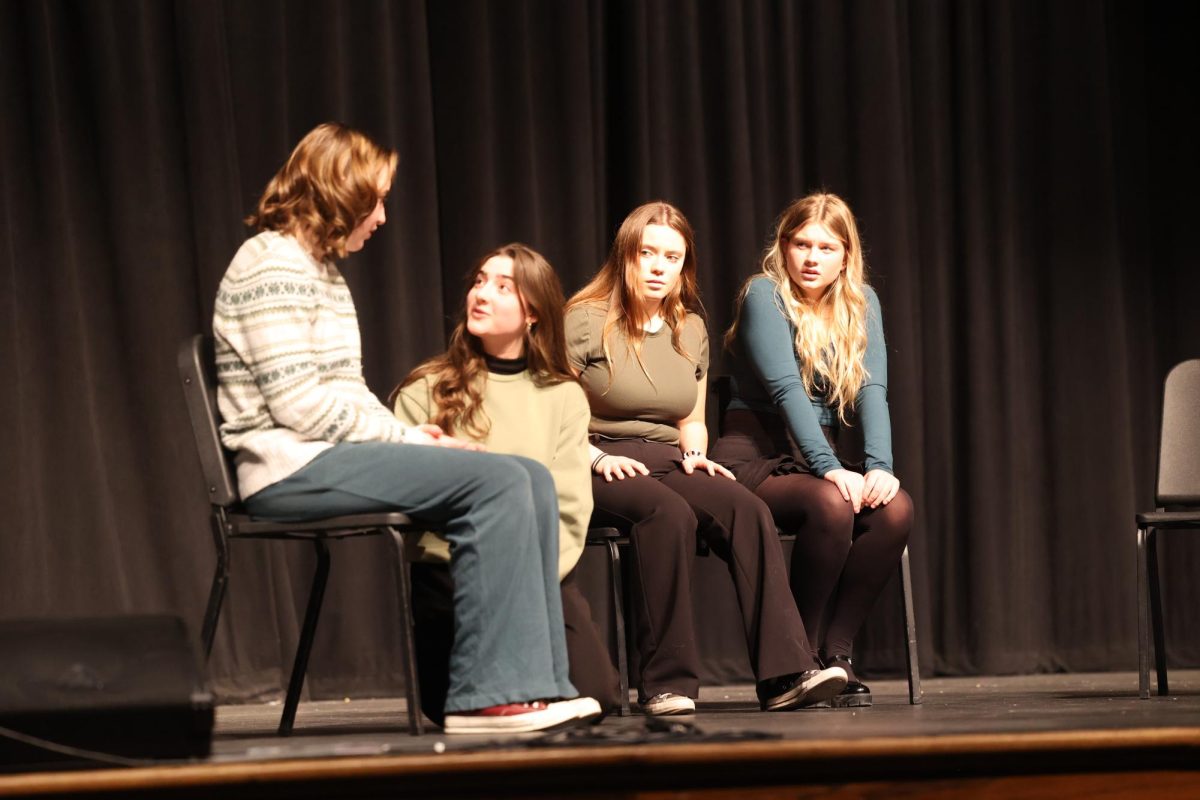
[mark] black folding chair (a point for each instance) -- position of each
(229, 522)
(1177, 499)
(612, 540)
(721, 386)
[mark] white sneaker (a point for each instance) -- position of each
(817, 686)
(669, 704)
(514, 718)
(586, 708)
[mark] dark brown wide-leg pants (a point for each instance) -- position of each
(663, 513)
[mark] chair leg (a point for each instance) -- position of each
(910, 632)
(216, 594)
(412, 687)
(1156, 615)
(614, 566)
(1143, 601)
(316, 597)
(1143, 618)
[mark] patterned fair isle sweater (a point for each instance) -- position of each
(289, 363)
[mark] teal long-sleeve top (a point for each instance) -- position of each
(766, 377)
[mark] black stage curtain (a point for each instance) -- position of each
(1022, 179)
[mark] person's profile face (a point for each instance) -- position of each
(358, 237)
(815, 258)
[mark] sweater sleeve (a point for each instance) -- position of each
(413, 405)
(766, 339)
(572, 474)
(278, 349)
(872, 400)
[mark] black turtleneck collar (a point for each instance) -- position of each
(505, 366)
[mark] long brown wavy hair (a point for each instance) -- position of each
(615, 287)
(328, 185)
(460, 374)
(831, 332)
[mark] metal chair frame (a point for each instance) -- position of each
(1177, 497)
(613, 540)
(229, 523)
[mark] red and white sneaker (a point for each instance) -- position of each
(587, 709)
(513, 718)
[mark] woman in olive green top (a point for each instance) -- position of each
(505, 383)
(637, 340)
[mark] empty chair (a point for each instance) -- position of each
(1177, 501)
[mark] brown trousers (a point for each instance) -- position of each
(663, 514)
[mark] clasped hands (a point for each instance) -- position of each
(429, 434)
(875, 489)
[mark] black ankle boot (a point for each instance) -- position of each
(856, 694)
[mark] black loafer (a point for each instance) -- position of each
(856, 694)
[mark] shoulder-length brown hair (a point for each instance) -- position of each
(328, 185)
(460, 374)
(615, 287)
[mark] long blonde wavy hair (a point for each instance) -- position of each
(615, 287)
(831, 332)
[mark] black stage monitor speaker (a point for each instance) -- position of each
(127, 686)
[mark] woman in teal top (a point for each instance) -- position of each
(807, 352)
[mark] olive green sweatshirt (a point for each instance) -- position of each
(545, 423)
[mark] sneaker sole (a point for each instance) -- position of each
(587, 709)
(788, 700)
(825, 690)
(559, 716)
(812, 695)
(670, 711)
(851, 701)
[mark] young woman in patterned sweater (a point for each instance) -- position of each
(311, 441)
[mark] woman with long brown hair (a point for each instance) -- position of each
(505, 383)
(808, 352)
(311, 440)
(637, 339)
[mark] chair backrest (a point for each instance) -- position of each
(722, 387)
(1179, 447)
(197, 371)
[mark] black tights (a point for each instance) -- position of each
(842, 560)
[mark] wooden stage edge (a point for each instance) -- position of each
(1133, 760)
(1047, 736)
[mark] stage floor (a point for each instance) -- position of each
(1077, 703)
(1031, 736)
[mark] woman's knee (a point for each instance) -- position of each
(896, 517)
(668, 516)
(801, 501)
(536, 470)
(541, 482)
(644, 505)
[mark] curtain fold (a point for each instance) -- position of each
(1023, 183)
